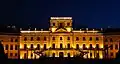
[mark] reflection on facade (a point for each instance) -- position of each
(62, 41)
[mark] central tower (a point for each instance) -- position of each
(61, 24)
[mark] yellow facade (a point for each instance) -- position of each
(60, 40)
(61, 36)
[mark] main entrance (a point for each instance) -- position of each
(61, 54)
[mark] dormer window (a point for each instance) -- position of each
(68, 24)
(53, 24)
(61, 24)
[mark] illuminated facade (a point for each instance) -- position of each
(61, 38)
(61, 41)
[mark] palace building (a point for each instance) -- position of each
(61, 40)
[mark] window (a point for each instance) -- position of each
(77, 46)
(68, 38)
(16, 47)
(84, 39)
(97, 46)
(38, 38)
(111, 54)
(11, 47)
(90, 39)
(15, 54)
(111, 48)
(31, 46)
(45, 39)
(61, 46)
(11, 39)
(97, 39)
(68, 24)
(31, 38)
(25, 46)
(38, 46)
(68, 45)
(116, 46)
(25, 39)
(53, 46)
(90, 46)
(77, 38)
(84, 46)
(44, 46)
(60, 38)
(53, 38)
(6, 47)
(111, 40)
(16, 40)
(53, 24)
(11, 54)
(61, 24)
(106, 40)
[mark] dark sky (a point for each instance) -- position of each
(91, 13)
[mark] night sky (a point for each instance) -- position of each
(90, 13)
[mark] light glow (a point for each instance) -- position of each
(32, 31)
(53, 29)
(61, 17)
(68, 29)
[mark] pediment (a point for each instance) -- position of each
(61, 30)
